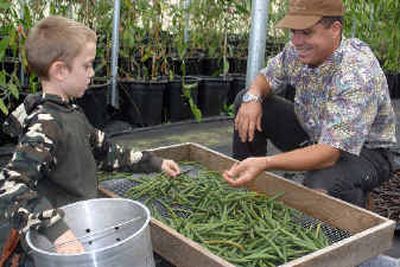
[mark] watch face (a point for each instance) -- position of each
(249, 97)
(246, 97)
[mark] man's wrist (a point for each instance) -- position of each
(267, 162)
(251, 97)
(255, 90)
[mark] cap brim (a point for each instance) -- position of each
(297, 22)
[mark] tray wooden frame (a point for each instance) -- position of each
(371, 234)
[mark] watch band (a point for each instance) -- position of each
(249, 97)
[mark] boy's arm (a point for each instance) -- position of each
(33, 158)
(115, 157)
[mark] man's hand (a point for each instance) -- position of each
(248, 120)
(67, 243)
(170, 167)
(243, 172)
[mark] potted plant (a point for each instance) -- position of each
(95, 100)
(143, 90)
(367, 20)
(182, 90)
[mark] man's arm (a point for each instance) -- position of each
(260, 86)
(248, 117)
(313, 157)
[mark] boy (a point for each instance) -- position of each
(56, 158)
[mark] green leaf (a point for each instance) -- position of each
(2, 78)
(226, 66)
(3, 46)
(13, 90)
(4, 5)
(195, 110)
(3, 107)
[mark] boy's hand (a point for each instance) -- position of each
(67, 243)
(170, 167)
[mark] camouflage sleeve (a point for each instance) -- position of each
(33, 158)
(13, 125)
(115, 157)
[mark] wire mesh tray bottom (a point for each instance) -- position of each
(118, 186)
(122, 186)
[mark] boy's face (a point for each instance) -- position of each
(79, 76)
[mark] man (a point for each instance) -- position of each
(341, 125)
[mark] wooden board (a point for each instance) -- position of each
(371, 233)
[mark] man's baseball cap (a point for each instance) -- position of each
(305, 13)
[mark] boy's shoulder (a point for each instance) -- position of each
(35, 109)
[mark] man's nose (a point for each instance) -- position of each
(297, 38)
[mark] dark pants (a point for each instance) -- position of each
(350, 179)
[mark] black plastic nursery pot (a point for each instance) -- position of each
(211, 66)
(10, 65)
(94, 103)
(213, 95)
(237, 65)
(393, 80)
(238, 83)
(188, 66)
(8, 136)
(177, 104)
(193, 66)
(5, 138)
(142, 101)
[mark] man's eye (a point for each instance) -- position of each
(304, 32)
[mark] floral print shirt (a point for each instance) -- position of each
(344, 102)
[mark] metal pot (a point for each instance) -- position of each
(114, 232)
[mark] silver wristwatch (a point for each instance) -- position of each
(249, 97)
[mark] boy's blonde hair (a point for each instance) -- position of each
(55, 38)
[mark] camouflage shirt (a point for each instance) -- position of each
(344, 102)
(56, 159)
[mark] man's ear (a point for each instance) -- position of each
(337, 28)
(58, 70)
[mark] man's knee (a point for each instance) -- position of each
(331, 182)
(320, 179)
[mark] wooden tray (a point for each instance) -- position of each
(371, 234)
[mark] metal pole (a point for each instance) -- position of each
(114, 94)
(258, 38)
(21, 71)
(187, 21)
(353, 27)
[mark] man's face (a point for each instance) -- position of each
(81, 71)
(315, 44)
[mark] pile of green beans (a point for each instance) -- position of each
(243, 227)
